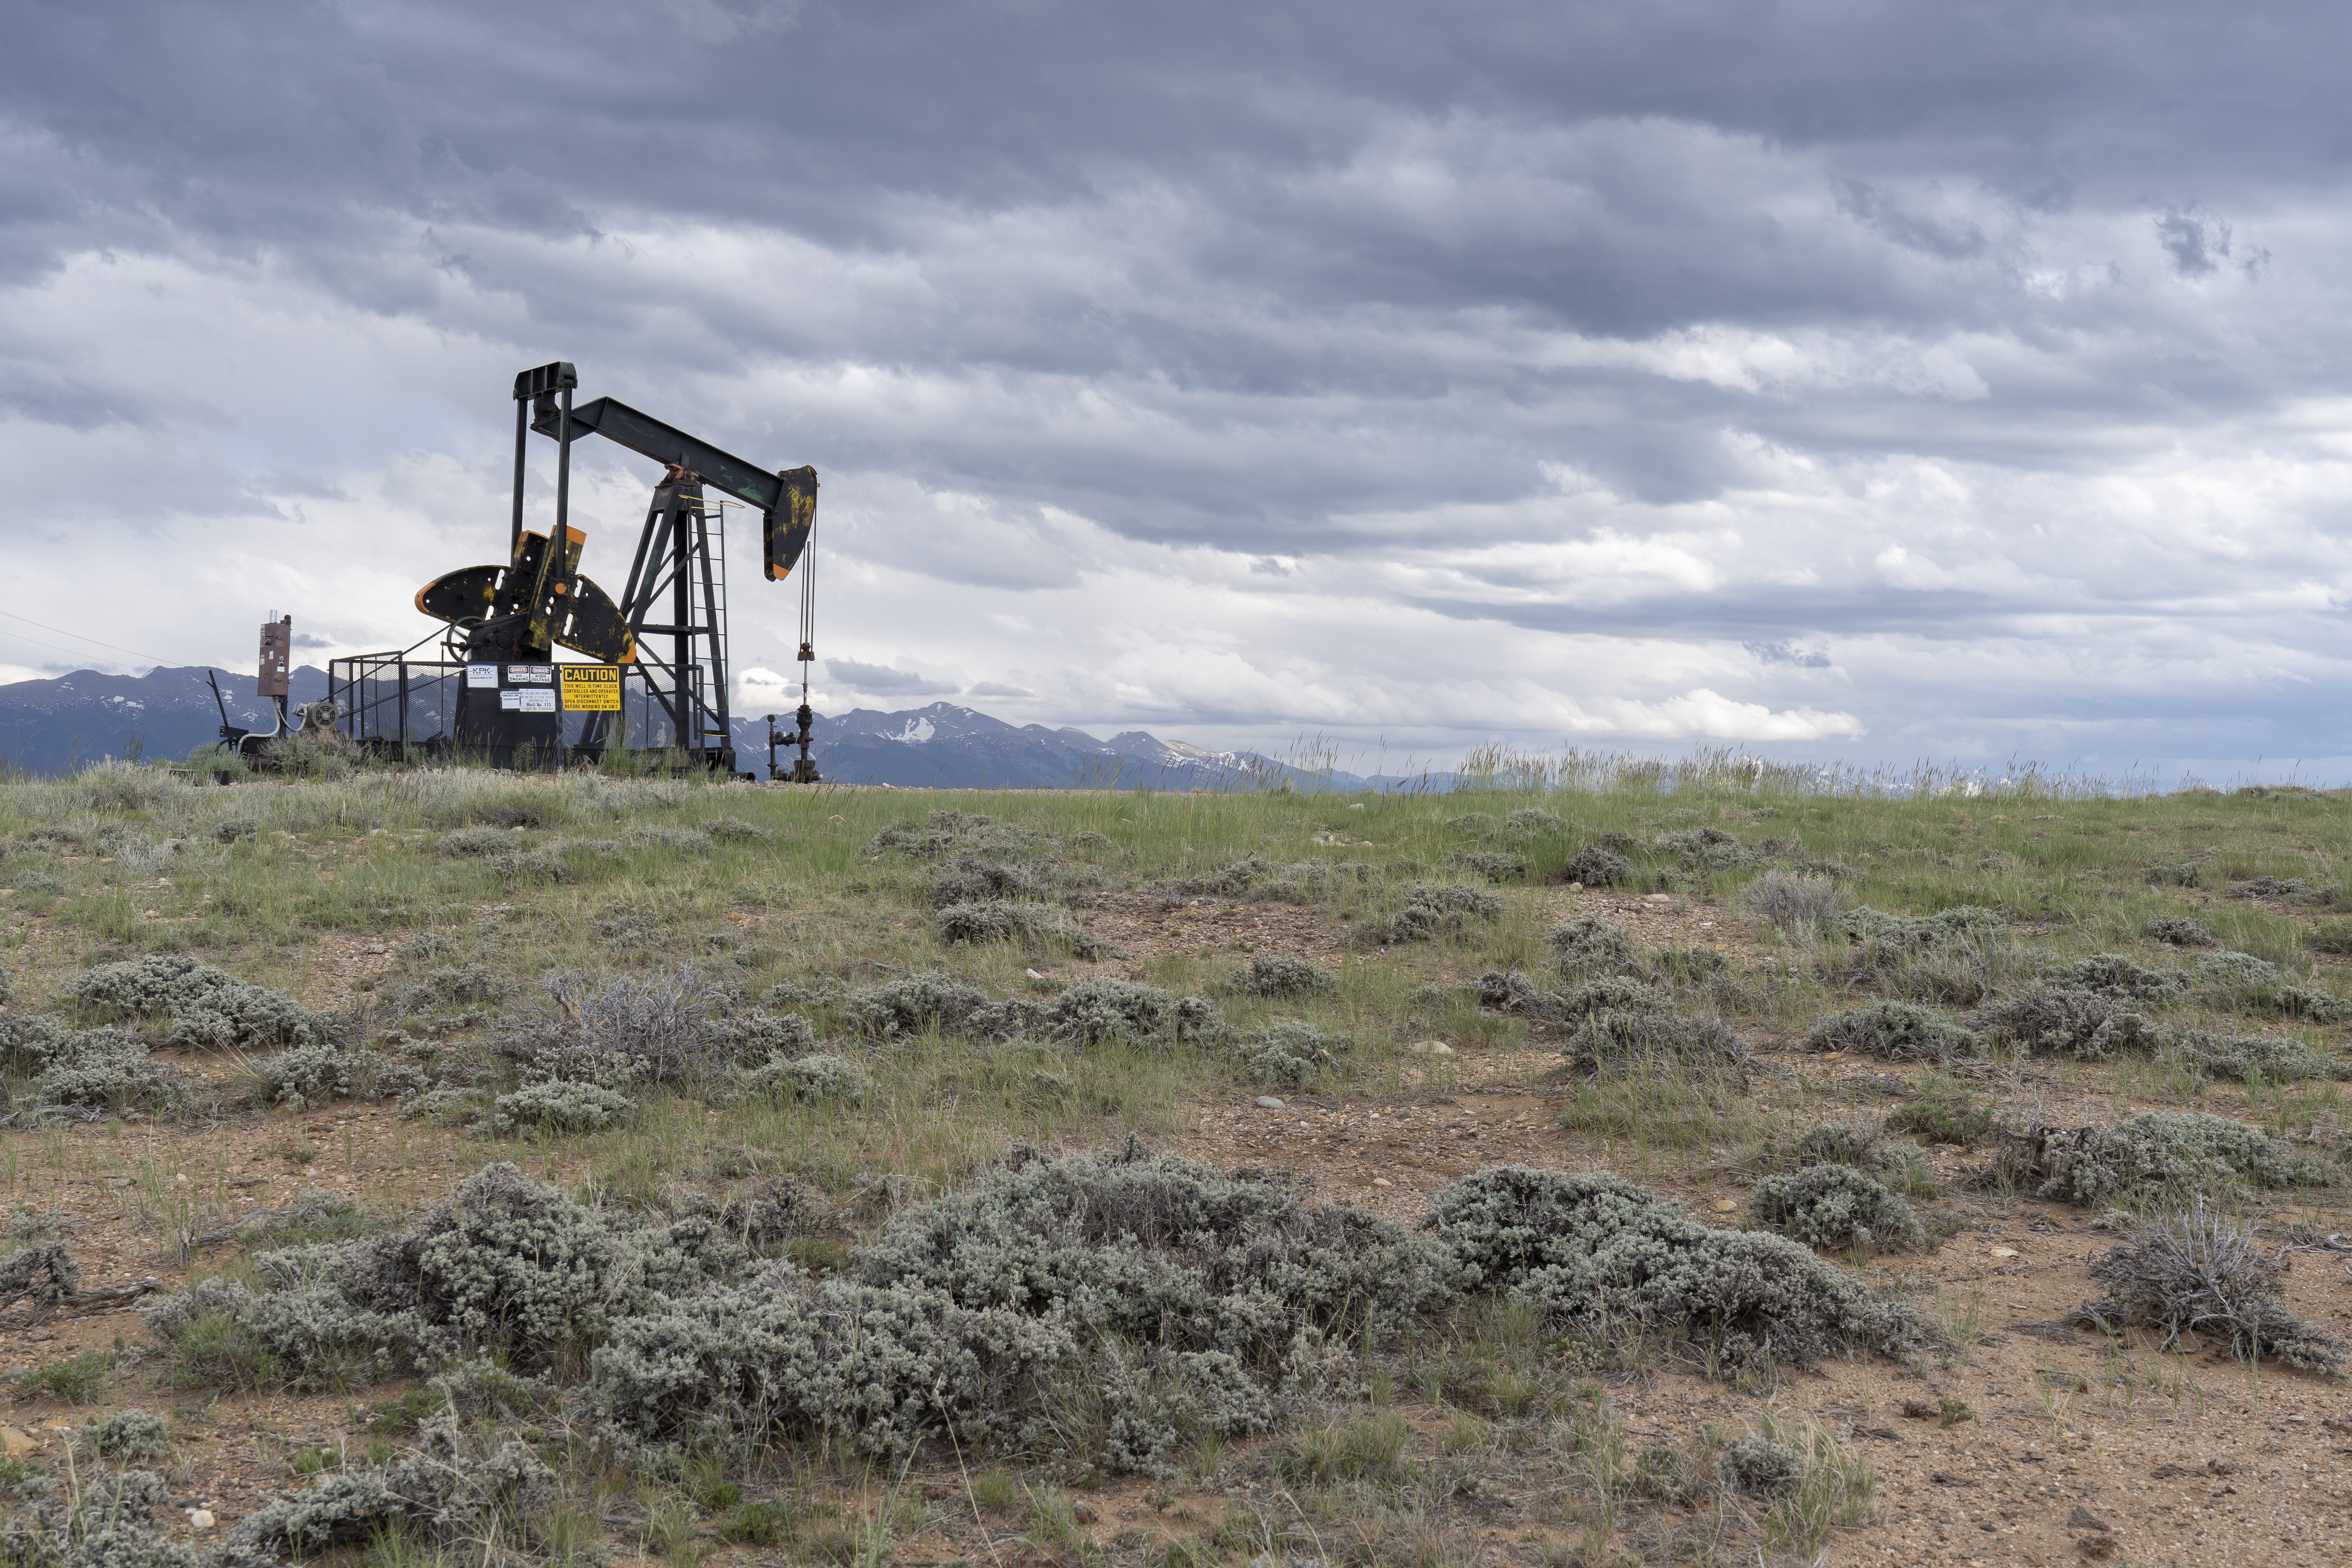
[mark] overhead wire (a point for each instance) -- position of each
(78, 636)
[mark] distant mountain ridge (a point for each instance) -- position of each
(55, 726)
(944, 746)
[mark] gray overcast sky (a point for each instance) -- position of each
(1838, 379)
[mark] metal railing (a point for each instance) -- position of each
(400, 708)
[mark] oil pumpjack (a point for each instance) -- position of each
(506, 622)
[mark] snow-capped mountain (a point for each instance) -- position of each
(55, 726)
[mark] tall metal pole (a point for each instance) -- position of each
(682, 623)
(562, 477)
(522, 428)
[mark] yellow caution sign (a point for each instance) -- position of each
(591, 687)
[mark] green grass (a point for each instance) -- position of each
(76, 1381)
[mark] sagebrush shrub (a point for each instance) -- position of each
(317, 1075)
(205, 1006)
(759, 1036)
(1588, 941)
(1597, 866)
(820, 1076)
(472, 843)
(2113, 974)
(1000, 919)
(2159, 1151)
(1759, 1467)
(1431, 909)
(2065, 1022)
(2272, 1059)
(1945, 1112)
(2230, 968)
(1169, 1293)
(1266, 882)
(1835, 1205)
(563, 1105)
(508, 1265)
(618, 1031)
(2261, 984)
(458, 985)
(1594, 1250)
(100, 1070)
(1495, 864)
(2195, 1273)
(1610, 1041)
(105, 1521)
(1899, 1031)
(1790, 902)
(913, 1004)
(129, 1435)
(1611, 994)
(2180, 931)
(969, 879)
(1290, 1051)
(1282, 975)
(1104, 1009)
(44, 1275)
(1960, 923)
(445, 1492)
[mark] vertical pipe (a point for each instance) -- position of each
(681, 620)
(522, 425)
(403, 709)
(562, 474)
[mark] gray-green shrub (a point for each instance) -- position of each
(45, 1275)
(1961, 923)
(1612, 1041)
(2152, 1155)
(1759, 1468)
(1835, 1205)
(619, 1032)
(1597, 867)
(2113, 974)
(2065, 1022)
(1792, 901)
(1899, 1031)
(507, 1266)
(1432, 910)
(1282, 975)
(2272, 1059)
(129, 1435)
(1588, 941)
(203, 1005)
(2195, 1273)
(1290, 1051)
(561, 1105)
(1175, 1295)
(1594, 1250)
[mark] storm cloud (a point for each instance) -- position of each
(1875, 381)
